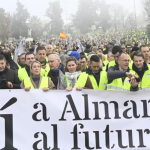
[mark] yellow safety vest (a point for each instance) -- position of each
(44, 83)
(47, 69)
(111, 64)
(83, 78)
(22, 73)
(118, 85)
(145, 82)
(86, 54)
(19, 66)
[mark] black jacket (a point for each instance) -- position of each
(140, 72)
(54, 74)
(10, 76)
(96, 75)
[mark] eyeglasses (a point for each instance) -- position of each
(51, 62)
(126, 60)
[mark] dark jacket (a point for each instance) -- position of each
(10, 76)
(114, 73)
(12, 64)
(140, 72)
(96, 75)
(87, 50)
(54, 74)
(27, 68)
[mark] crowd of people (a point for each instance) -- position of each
(77, 63)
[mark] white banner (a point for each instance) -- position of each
(61, 120)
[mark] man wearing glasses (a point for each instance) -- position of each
(83, 63)
(120, 77)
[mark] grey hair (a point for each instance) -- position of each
(56, 56)
(48, 45)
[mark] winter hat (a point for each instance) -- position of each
(75, 54)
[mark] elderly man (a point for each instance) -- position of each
(55, 68)
(49, 49)
(8, 77)
(120, 77)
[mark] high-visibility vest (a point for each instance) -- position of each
(118, 85)
(19, 66)
(46, 70)
(145, 81)
(22, 73)
(44, 83)
(111, 64)
(86, 54)
(83, 78)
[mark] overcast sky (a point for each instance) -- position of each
(38, 7)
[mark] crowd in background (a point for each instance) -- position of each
(111, 61)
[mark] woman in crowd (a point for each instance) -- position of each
(72, 73)
(36, 81)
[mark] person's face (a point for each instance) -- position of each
(138, 62)
(123, 48)
(22, 59)
(36, 68)
(83, 63)
(99, 51)
(102, 46)
(29, 59)
(41, 55)
(71, 66)
(49, 50)
(95, 66)
(116, 56)
(145, 51)
(2, 65)
(111, 57)
(123, 61)
(53, 62)
(129, 48)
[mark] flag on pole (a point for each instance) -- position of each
(63, 35)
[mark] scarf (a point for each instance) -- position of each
(72, 77)
(43, 63)
(57, 70)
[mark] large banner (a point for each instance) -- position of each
(77, 120)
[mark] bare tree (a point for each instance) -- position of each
(115, 12)
(5, 21)
(147, 8)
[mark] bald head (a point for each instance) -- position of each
(123, 61)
